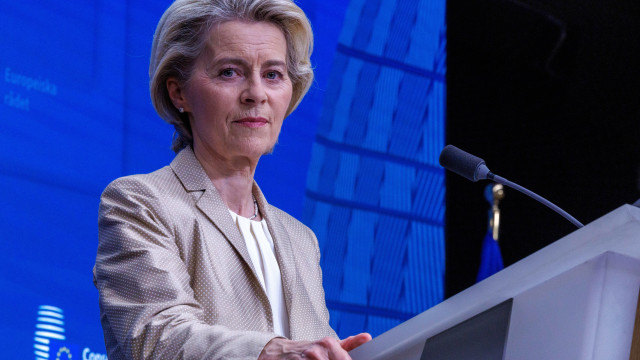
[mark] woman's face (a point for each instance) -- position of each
(239, 91)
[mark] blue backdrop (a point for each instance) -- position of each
(355, 162)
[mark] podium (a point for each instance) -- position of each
(574, 299)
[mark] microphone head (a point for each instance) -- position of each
(463, 163)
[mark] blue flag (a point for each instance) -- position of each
(491, 260)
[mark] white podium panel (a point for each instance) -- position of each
(574, 299)
(584, 313)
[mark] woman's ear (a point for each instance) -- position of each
(176, 93)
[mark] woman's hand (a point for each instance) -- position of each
(326, 348)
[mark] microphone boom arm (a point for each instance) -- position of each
(549, 204)
(474, 169)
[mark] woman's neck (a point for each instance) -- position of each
(233, 178)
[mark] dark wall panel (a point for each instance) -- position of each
(547, 93)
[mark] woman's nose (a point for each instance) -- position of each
(254, 91)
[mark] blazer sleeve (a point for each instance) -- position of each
(148, 309)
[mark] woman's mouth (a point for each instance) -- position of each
(252, 122)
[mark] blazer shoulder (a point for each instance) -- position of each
(162, 181)
(285, 218)
(155, 192)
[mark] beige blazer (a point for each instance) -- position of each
(175, 278)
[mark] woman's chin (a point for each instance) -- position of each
(255, 151)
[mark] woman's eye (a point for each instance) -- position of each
(227, 72)
(272, 75)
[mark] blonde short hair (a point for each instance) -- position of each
(181, 36)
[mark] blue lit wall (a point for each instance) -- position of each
(76, 114)
(375, 194)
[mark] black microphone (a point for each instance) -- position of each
(474, 169)
(464, 164)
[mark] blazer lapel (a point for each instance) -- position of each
(286, 260)
(193, 177)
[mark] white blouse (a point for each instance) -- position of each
(262, 252)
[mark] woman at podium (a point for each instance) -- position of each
(193, 262)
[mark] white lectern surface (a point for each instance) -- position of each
(596, 261)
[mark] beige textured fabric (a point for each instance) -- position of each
(175, 278)
(263, 258)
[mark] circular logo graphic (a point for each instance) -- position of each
(63, 354)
